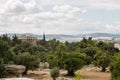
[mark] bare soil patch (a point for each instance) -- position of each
(87, 73)
(95, 75)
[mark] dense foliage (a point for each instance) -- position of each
(69, 55)
(115, 67)
(5, 53)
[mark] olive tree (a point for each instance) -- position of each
(73, 61)
(29, 61)
(102, 59)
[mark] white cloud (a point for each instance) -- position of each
(107, 5)
(14, 6)
(52, 2)
(60, 16)
(33, 7)
(101, 4)
(18, 16)
(112, 27)
(68, 9)
(33, 10)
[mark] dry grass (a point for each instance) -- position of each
(87, 75)
(95, 75)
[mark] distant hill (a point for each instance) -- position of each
(104, 35)
(63, 37)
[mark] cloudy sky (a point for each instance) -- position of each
(59, 16)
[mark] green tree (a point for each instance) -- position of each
(44, 40)
(40, 55)
(102, 59)
(55, 58)
(52, 60)
(54, 73)
(15, 40)
(73, 61)
(90, 52)
(52, 45)
(23, 47)
(82, 45)
(32, 49)
(5, 52)
(71, 46)
(103, 56)
(109, 47)
(115, 67)
(61, 49)
(60, 52)
(30, 61)
(2, 68)
(5, 37)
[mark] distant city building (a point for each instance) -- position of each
(117, 45)
(105, 40)
(30, 39)
(115, 42)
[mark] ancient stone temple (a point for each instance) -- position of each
(30, 39)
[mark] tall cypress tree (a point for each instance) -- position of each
(44, 39)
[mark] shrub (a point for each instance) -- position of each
(77, 77)
(54, 73)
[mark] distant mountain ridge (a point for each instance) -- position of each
(68, 37)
